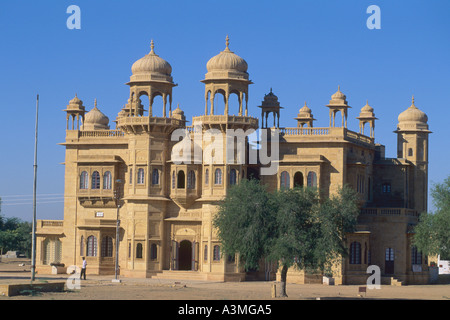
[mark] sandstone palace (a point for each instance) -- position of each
(165, 208)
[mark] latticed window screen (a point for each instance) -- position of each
(95, 180)
(389, 254)
(355, 253)
(191, 180)
(312, 179)
(216, 253)
(84, 180)
(91, 250)
(107, 181)
(218, 177)
(285, 180)
(155, 177)
(107, 247)
(141, 176)
(82, 246)
(232, 176)
(52, 251)
(207, 176)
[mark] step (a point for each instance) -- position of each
(180, 275)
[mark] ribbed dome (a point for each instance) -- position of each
(413, 114)
(151, 63)
(95, 119)
(227, 60)
(367, 108)
(338, 95)
(76, 101)
(304, 110)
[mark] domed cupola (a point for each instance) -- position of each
(338, 103)
(95, 120)
(151, 67)
(367, 116)
(227, 74)
(152, 77)
(413, 115)
(178, 114)
(305, 116)
(227, 61)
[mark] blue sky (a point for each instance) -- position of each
(302, 49)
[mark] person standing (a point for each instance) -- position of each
(83, 269)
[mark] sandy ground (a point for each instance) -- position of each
(102, 288)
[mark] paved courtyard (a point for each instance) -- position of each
(102, 288)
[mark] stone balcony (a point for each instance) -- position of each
(49, 227)
(332, 133)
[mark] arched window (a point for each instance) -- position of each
(298, 180)
(181, 184)
(207, 176)
(96, 180)
(355, 253)
(232, 177)
(107, 181)
(139, 251)
(141, 176)
(386, 188)
(91, 250)
(191, 180)
(107, 247)
(216, 253)
(153, 252)
(312, 179)
(155, 177)
(218, 177)
(284, 180)
(173, 180)
(84, 180)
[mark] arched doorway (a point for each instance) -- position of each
(298, 180)
(185, 255)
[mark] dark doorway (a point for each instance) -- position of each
(185, 255)
(389, 261)
(298, 180)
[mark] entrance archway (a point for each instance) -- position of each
(185, 255)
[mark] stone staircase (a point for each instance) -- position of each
(180, 275)
(395, 282)
(386, 280)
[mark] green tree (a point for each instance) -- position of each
(15, 235)
(245, 222)
(432, 233)
(289, 227)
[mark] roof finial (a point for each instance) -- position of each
(413, 99)
(339, 88)
(227, 41)
(95, 103)
(152, 46)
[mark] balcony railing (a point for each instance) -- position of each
(101, 134)
(51, 223)
(389, 212)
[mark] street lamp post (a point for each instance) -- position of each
(117, 199)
